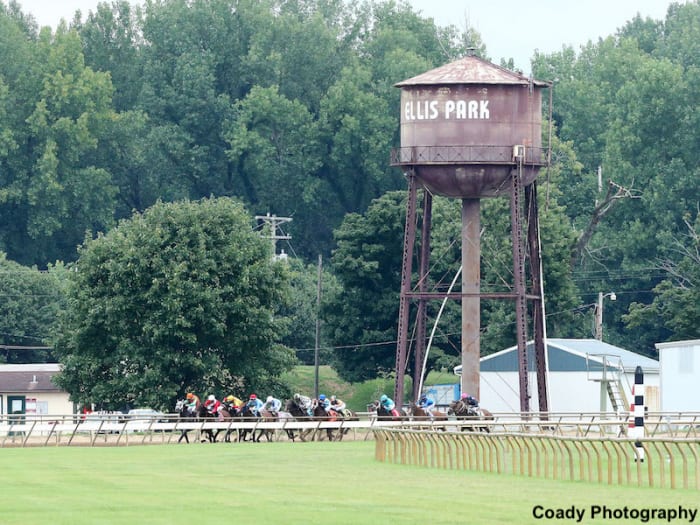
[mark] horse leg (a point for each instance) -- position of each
(183, 434)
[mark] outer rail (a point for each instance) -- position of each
(668, 462)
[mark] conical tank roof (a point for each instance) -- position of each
(469, 70)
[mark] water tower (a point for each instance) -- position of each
(471, 130)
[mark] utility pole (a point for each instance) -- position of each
(318, 326)
(599, 313)
(273, 222)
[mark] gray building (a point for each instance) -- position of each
(584, 375)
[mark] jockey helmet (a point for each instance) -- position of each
(333, 398)
(383, 398)
(253, 396)
(190, 395)
(211, 397)
(322, 397)
(464, 396)
(228, 398)
(423, 397)
(269, 398)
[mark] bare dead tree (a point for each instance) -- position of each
(614, 194)
(689, 250)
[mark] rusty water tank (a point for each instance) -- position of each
(467, 125)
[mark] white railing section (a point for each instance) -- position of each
(117, 429)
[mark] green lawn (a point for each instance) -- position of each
(282, 483)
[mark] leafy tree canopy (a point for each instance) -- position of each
(182, 297)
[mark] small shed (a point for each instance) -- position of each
(680, 375)
(29, 389)
(584, 375)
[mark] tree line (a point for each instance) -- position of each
(224, 109)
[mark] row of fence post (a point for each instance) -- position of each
(661, 462)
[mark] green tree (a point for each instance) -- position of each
(29, 304)
(274, 144)
(181, 297)
(361, 318)
(111, 36)
(53, 188)
(302, 310)
(676, 300)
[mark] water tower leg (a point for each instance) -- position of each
(424, 264)
(471, 286)
(538, 319)
(516, 219)
(409, 240)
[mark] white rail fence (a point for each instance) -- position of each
(121, 429)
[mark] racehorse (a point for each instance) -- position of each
(246, 414)
(183, 412)
(227, 413)
(278, 416)
(299, 414)
(320, 414)
(420, 414)
(200, 412)
(384, 415)
(203, 413)
(464, 411)
(347, 415)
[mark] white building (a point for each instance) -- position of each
(584, 375)
(29, 389)
(680, 376)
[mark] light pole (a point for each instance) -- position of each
(599, 313)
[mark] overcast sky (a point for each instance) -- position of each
(509, 28)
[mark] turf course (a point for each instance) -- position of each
(282, 483)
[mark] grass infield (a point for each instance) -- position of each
(283, 483)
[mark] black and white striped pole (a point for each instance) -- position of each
(636, 424)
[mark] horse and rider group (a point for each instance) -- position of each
(232, 406)
(301, 407)
(465, 408)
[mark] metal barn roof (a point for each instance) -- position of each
(569, 355)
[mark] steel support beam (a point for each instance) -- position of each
(516, 216)
(424, 265)
(404, 300)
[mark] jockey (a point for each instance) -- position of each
(324, 402)
(233, 402)
(212, 405)
(426, 404)
(254, 404)
(193, 402)
(470, 400)
(303, 402)
(272, 404)
(388, 404)
(339, 406)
